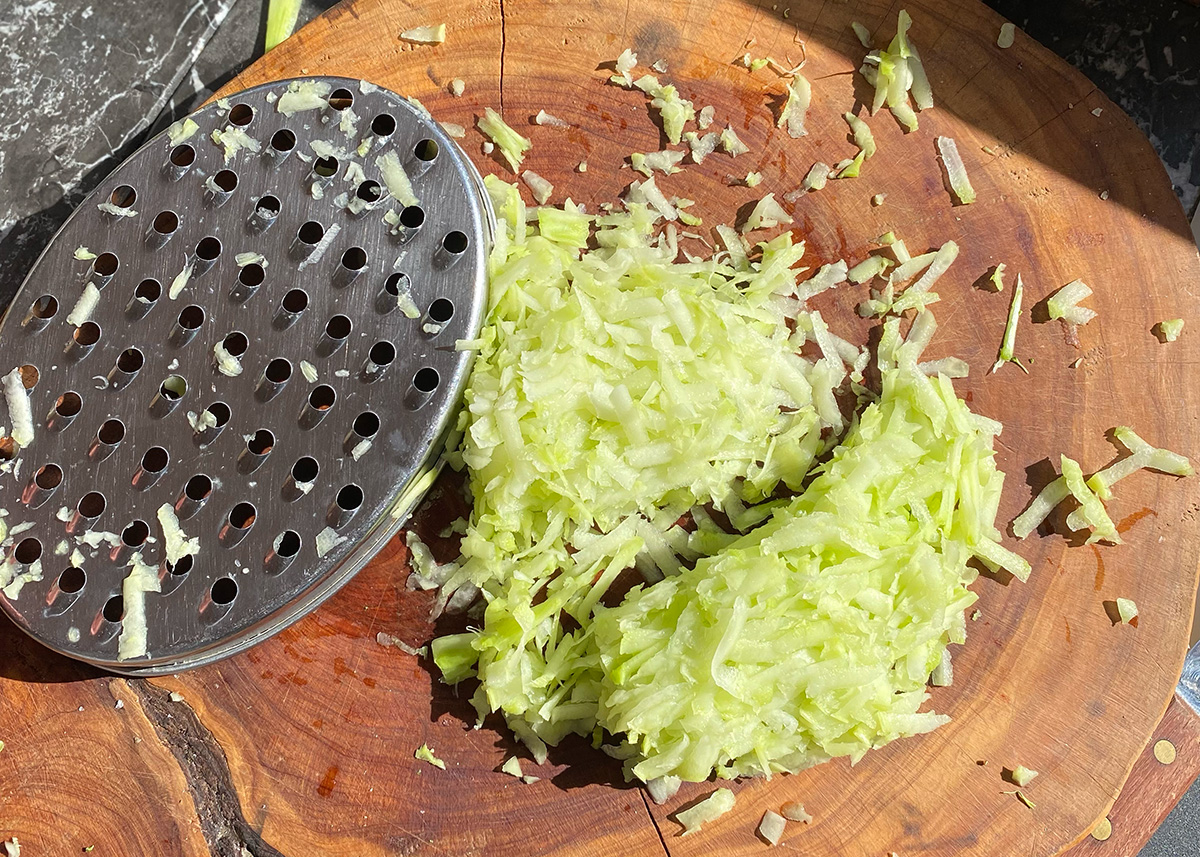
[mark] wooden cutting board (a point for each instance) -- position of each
(305, 744)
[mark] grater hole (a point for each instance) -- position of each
(236, 343)
(241, 115)
(338, 327)
(426, 150)
(130, 360)
(382, 353)
(123, 196)
(87, 334)
(326, 167)
(296, 301)
(383, 125)
(111, 433)
(28, 551)
(173, 388)
(366, 424)
(226, 180)
(156, 460)
(426, 380)
(455, 242)
(210, 248)
(311, 232)
(8, 449)
(45, 307)
(224, 591)
(106, 264)
(198, 488)
(252, 275)
(29, 375)
(135, 534)
(148, 290)
(441, 311)
(183, 156)
(322, 397)
(287, 544)
(278, 370)
(412, 217)
(369, 191)
(48, 477)
(270, 204)
(191, 317)
(221, 412)
(305, 469)
(262, 442)
(72, 580)
(165, 223)
(92, 504)
(393, 283)
(283, 140)
(354, 259)
(69, 404)
(242, 516)
(182, 566)
(340, 99)
(349, 498)
(114, 609)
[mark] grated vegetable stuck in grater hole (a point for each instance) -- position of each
(226, 405)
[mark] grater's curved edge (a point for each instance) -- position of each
(386, 524)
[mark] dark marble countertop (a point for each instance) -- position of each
(131, 68)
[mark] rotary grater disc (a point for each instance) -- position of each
(248, 329)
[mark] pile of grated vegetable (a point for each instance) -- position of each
(803, 541)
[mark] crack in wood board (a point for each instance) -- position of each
(206, 771)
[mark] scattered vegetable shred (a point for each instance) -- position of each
(711, 808)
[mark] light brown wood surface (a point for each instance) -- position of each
(304, 745)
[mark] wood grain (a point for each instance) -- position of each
(315, 729)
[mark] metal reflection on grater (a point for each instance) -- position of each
(174, 489)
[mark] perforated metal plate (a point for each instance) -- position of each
(123, 403)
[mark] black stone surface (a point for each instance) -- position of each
(85, 81)
(80, 82)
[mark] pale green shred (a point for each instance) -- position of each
(956, 171)
(1064, 303)
(795, 106)
(849, 168)
(1127, 610)
(711, 808)
(767, 214)
(907, 500)
(864, 35)
(281, 21)
(1022, 776)
(426, 34)
(868, 269)
(625, 64)
(512, 767)
(1009, 341)
(1170, 329)
(896, 74)
(424, 754)
(863, 138)
(673, 110)
(614, 391)
(511, 144)
(1142, 456)
(1008, 32)
(752, 179)
(997, 278)
(817, 176)
(667, 161)
(1091, 511)
(731, 143)
(182, 130)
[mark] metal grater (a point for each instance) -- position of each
(288, 484)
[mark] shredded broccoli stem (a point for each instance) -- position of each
(1010, 328)
(281, 21)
